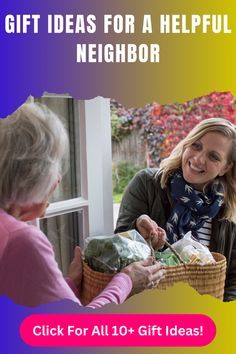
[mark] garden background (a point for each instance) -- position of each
(142, 137)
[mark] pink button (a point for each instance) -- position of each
(118, 330)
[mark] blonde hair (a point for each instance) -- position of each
(174, 161)
(34, 152)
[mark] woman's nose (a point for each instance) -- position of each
(200, 157)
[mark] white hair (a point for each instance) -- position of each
(33, 153)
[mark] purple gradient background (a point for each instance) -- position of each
(12, 316)
(33, 63)
(190, 65)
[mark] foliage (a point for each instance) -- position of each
(117, 197)
(163, 126)
(120, 123)
(122, 174)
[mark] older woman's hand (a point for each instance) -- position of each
(76, 268)
(144, 274)
(148, 228)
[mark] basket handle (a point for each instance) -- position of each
(175, 253)
(149, 240)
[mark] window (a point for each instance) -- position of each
(82, 204)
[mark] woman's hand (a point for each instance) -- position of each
(148, 228)
(144, 274)
(76, 268)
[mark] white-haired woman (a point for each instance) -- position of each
(194, 189)
(34, 153)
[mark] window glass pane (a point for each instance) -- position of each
(64, 232)
(67, 109)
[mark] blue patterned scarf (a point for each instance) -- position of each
(190, 208)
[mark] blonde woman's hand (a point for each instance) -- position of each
(148, 228)
(144, 274)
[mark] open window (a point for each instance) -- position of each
(82, 204)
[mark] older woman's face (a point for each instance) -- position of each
(206, 159)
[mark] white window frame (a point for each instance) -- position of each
(94, 136)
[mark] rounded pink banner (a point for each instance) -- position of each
(122, 330)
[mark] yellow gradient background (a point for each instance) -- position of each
(191, 65)
(182, 299)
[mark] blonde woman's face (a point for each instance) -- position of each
(206, 158)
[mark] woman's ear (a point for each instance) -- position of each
(54, 186)
(32, 212)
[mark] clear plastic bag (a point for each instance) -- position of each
(109, 254)
(192, 251)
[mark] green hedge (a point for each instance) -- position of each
(122, 173)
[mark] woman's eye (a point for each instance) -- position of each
(196, 146)
(214, 157)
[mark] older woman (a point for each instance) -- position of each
(194, 189)
(34, 153)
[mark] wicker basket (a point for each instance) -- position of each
(207, 279)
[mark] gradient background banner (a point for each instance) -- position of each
(191, 65)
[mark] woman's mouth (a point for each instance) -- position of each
(195, 168)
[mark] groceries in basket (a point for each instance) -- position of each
(109, 254)
(189, 250)
(106, 255)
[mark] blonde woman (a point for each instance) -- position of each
(34, 153)
(194, 189)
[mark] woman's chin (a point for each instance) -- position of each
(193, 181)
(188, 177)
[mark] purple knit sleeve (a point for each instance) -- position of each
(30, 275)
(115, 292)
(72, 285)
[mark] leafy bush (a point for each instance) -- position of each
(121, 175)
(121, 125)
(163, 126)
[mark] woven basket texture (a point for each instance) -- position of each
(208, 279)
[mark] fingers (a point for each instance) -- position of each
(155, 241)
(154, 274)
(155, 282)
(145, 225)
(154, 267)
(144, 274)
(147, 262)
(161, 233)
(148, 227)
(77, 253)
(76, 267)
(153, 228)
(158, 276)
(155, 278)
(159, 238)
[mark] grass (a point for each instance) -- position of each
(117, 197)
(122, 173)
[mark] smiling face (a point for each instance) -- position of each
(206, 158)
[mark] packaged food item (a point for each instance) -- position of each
(167, 258)
(192, 251)
(109, 254)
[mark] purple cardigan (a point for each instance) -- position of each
(30, 275)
